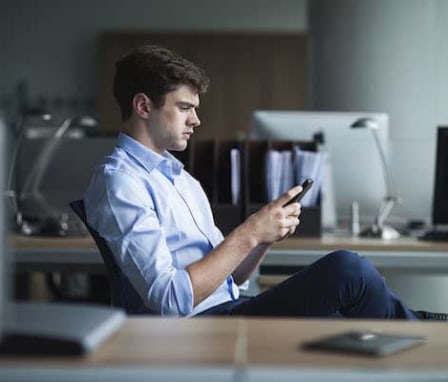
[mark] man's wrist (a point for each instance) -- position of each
(247, 236)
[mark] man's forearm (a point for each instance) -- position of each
(250, 263)
(209, 272)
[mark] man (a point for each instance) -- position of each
(158, 222)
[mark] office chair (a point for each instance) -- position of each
(123, 293)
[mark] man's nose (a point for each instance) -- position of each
(194, 119)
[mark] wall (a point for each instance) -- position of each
(382, 55)
(389, 56)
(52, 43)
(50, 46)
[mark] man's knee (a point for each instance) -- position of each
(344, 259)
(350, 266)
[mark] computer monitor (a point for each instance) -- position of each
(356, 169)
(3, 283)
(440, 199)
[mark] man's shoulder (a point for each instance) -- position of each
(117, 163)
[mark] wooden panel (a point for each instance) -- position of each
(247, 72)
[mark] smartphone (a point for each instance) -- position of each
(365, 342)
(306, 185)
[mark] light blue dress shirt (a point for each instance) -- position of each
(157, 220)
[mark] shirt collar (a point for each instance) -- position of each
(148, 158)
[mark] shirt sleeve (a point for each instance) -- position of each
(125, 216)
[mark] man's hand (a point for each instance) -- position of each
(244, 248)
(276, 220)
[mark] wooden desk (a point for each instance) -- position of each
(398, 255)
(233, 346)
(416, 270)
(49, 254)
(402, 253)
(403, 261)
(36, 253)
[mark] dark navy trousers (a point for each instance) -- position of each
(340, 284)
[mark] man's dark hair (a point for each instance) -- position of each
(154, 71)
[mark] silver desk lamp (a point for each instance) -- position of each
(379, 229)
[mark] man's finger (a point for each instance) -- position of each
(288, 195)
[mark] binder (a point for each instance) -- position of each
(256, 193)
(234, 177)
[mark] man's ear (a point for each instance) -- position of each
(142, 105)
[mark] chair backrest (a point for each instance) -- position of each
(123, 293)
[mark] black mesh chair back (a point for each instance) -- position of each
(123, 293)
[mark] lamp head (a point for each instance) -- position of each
(87, 124)
(37, 112)
(84, 121)
(365, 123)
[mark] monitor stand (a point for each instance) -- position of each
(37, 329)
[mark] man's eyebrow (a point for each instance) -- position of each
(187, 103)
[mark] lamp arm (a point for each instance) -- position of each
(386, 206)
(17, 131)
(35, 175)
(387, 175)
(12, 167)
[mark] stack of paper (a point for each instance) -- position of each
(235, 176)
(279, 173)
(309, 164)
(285, 169)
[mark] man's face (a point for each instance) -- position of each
(172, 125)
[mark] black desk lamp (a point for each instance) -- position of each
(18, 130)
(34, 215)
(379, 228)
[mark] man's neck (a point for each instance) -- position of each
(138, 131)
